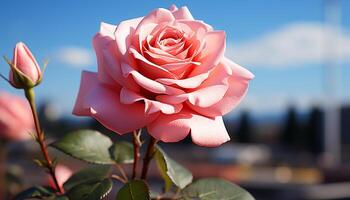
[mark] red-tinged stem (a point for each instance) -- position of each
(40, 138)
(137, 145)
(148, 157)
(3, 159)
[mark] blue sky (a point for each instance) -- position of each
(51, 28)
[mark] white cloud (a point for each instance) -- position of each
(75, 56)
(296, 44)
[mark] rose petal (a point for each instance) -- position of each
(183, 13)
(203, 97)
(164, 61)
(100, 41)
(157, 16)
(193, 25)
(158, 50)
(169, 32)
(208, 132)
(124, 32)
(107, 29)
(105, 49)
(188, 83)
(180, 67)
(88, 81)
(107, 54)
(173, 8)
(176, 99)
(183, 54)
(175, 49)
(150, 69)
(238, 85)
(218, 75)
(204, 131)
(170, 128)
(207, 96)
(212, 54)
(110, 62)
(212, 87)
(142, 35)
(103, 104)
(130, 97)
(237, 70)
(161, 59)
(147, 83)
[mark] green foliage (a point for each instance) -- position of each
(87, 145)
(214, 188)
(35, 192)
(94, 147)
(134, 190)
(91, 190)
(171, 171)
(87, 184)
(88, 175)
(94, 183)
(122, 152)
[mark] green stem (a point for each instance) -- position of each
(148, 157)
(40, 137)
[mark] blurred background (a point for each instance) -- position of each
(290, 135)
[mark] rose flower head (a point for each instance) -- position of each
(167, 72)
(16, 120)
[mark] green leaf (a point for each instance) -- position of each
(122, 152)
(87, 145)
(88, 175)
(57, 198)
(91, 191)
(214, 188)
(35, 192)
(89, 184)
(171, 171)
(134, 190)
(163, 171)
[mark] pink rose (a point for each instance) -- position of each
(166, 71)
(16, 120)
(63, 173)
(25, 71)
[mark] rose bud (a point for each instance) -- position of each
(25, 71)
(16, 121)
